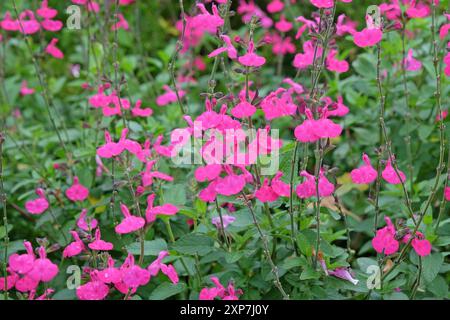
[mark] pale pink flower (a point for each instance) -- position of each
(130, 223)
(39, 205)
(343, 273)
(365, 173)
(227, 220)
(77, 192)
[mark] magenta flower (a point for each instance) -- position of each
(421, 246)
(28, 23)
(304, 60)
(111, 274)
(52, 25)
(275, 6)
(130, 223)
(43, 269)
(39, 205)
(45, 11)
(243, 109)
(412, 64)
(279, 187)
(77, 192)
(208, 172)
(151, 212)
(312, 130)
(52, 50)
(384, 240)
(26, 284)
(231, 184)
(447, 193)
(74, 248)
(265, 193)
(24, 90)
(22, 263)
(138, 112)
(278, 103)
(93, 290)
(98, 244)
(219, 291)
(110, 149)
(8, 24)
(228, 48)
(169, 96)
(89, 225)
(364, 174)
(168, 270)
(390, 175)
(251, 59)
(10, 282)
(148, 175)
(322, 3)
(335, 65)
(133, 276)
(307, 189)
(369, 36)
(283, 25)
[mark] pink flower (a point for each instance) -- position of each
(282, 46)
(312, 130)
(209, 22)
(39, 205)
(229, 48)
(243, 109)
(28, 23)
(384, 241)
(43, 269)
(412, 64)
(151, 212)
(339, 108)
(110, 149)
(24, 90)
(283, 25)
(138, 112)
(22, 263)
(168, 270)
(98, 244)
(110, 274)
(77, 192)
(133, 276)
(45, 11)
(279, 187)
(231, 184)
(447, 193)
(130, 223)
(368, 36)
(303, 60)
(307, 189)
(322, 3)
(52, 25)
(169, 96)
(333, 64)
(10, 281)
(208, 172)
(345, 25)
(265, 193)
(53, 50)
(101, 100)
(343, 273)
(251, 59)
(227, 220)
(89, 225)
(365, 173)
(93, 290)
(219, 291)
(420, 245)
(122, 23)
(148, 175)
(8, 24)
(74, 248)
(417, 10)
(390, 175)
(26, 284)
(275, 6)
(278, 103)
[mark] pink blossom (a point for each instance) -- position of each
(133, 276)
(251, 59)
(98, 244)
(138, 112)
(307, 189)
(28, 23)
(100, 99)
(343, 273)
(384, 240)
(227, 220)
(130, 223)
(265, 193)
(24, 90)
(207, 21)
(110, 149)
(93, 290)
(52, 25)
(26, 283)
(275, 6)
(228, 48)
(333, 64)
(45, 11)
(219, 291)
(322, 3)
(53, 50)
(111, 274)
(417, 10)
(243, 109)
(208, 172)
(339, 109)
(282, 46)
(447, 193)
(168, 270)
(421, 246)
(22, 263)
(43, 269)
(148, 175)
(365, 173)
(74, 248)
(122, 23)
(368, 36)
(278, 103)
(279, 187)
(345, 25)
(303, 60)
(312, 130)
(412, 64)
(231, 184)
(390, 175)
(283, 25)
(169, 96)
(86, 225)
(77, 192)
(151, 212)
(39, 205)
(10, 281)
(8, 24)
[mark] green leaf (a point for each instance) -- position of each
(151, 248)
(438, 287)
(166, 290)
(194, 244)
(431, 266)
(309, 273)
(304, 245)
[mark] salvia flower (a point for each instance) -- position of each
(343, 273)
(364, 174)
(130, 223)
(43, 269)
(369, 36)
(39, 205)
(251, 59)
(74, 248)
(98, 244)
(77, 192)
(391, 175)
(384, 240)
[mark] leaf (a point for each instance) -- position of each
(431, 265)
(151, 248)
(194, 244)
(309, 273)
(438, 287)
(304, 245)
(166, 290)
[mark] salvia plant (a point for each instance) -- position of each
(284, 149)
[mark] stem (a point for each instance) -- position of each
(291, 190)
(266, 249)
(222, 228)
(5, 216)
(417, 282)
